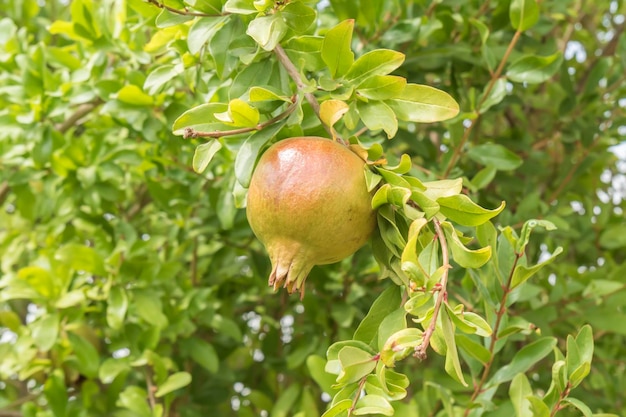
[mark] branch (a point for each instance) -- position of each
(4, 191)
(150, 388)
(494, 78)
(494, 335)
(192, 133)
(9, 413)
(359, 390)
(420, 351)
(185, 12)
(81, 111)
(295, 76)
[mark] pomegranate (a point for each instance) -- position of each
(308, 204)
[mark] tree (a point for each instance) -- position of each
(132, 285)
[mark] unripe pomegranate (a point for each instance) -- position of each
(308, 204)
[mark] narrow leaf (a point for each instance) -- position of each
(523, 360)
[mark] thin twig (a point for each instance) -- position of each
(10, 413)
(357, 394)
(185, 12)
(150, 388)
(420, 351)
(496, 75)
(192, 133)
(81, 111)
(4, 191)
(295, 76)
(494, 335)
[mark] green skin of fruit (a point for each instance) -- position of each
(308, 204)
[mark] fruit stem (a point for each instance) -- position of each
(310, 98)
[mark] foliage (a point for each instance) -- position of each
(131, 284)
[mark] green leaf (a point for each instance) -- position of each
(373, 404)
(392, 323)
(240, 7)
(462, 210)
(172, 383)
(601, 287)
(527, 229)
(81, 258)
(523, 273)
(523, 360)
(131, 94)
(581, 406)
(203, 30)
(465, 257)
(166, 19)
(613, 237)
(204, 154)
(495, 95)
(475, 350)
(452, 364)
(203, 353)
(249, 152)
(495, 155)
(336, 49)
(523, 14)
(423, 104)
(242, 114)
(316, 364)
(373, 63)
(443, 188)
(201, 118)
(482, 28)
(45, 331)
(331, 111)
(387, 302)
(298, 16)
(355, 364)
(86, 354)
(538, 408)
(160, 76)
(403, 167)
(220, 47)
(377, 115)
(484, 177)
(258, 93)
(133, 398)
(117, 305)
(381, 87)
(372, 180)
(534, 69)
(399, 345)
(149, 308)
(267, 31)
(338, 408)
(518, 392)
(286, 401)
(55, 392)
(111, 368)
(306, 50)
(585, 343)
